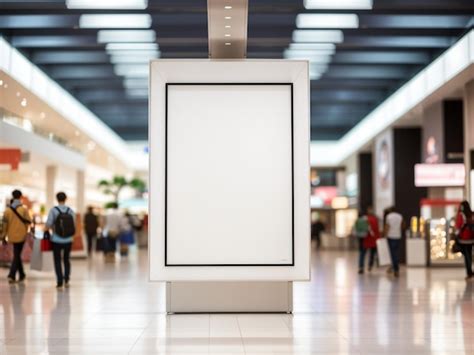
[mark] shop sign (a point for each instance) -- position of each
(441, 175)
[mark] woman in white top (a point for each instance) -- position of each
(393, 230)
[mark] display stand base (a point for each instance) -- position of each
(229, 297)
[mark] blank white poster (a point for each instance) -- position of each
(229, 179)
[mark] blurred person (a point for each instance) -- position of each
(464, 236)
(112, 228)
(361, 231)
(16, 222)
(393, 229)
(369, 242)
(316, 229)
(91, 224)
(61, 219)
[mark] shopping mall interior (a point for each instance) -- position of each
(236, 176)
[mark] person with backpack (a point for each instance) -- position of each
(16, 222)
(61, 220)
(464, 236)
(361, 231)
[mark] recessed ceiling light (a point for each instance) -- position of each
(327, 21)
(1, 82)
(228, 26)
(339, 4)
(18, 94)
(107, 4)
(5, 85)
(228, 18)
(227, 35)
(23, 102)
(42, 115)
(228, 43)
(228, 7)
(325, 36)
(107, 36)
(115, 21)
(77, 133)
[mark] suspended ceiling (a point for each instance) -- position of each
(393, 41)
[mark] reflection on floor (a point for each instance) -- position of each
(111, 309)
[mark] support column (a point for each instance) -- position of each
(468, 137)
(80, 191)
(51, 173)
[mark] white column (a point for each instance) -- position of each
(468, 135)
(80, 191)
(51, 173)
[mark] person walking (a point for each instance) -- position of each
(91, 224)
(16, 222)
(61, 220)
(370, 241)
(112, 228)
(393, 230)
(361, 231)
(316, 229)
(464, 236)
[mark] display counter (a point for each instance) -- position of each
(439, 241)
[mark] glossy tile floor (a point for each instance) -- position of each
(111, 309)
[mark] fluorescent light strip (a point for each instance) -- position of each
(131, 46)
(115, 21)
(137, 92)
(107, 36)
(338, 4)
(312, 57)
(135, 83)
(327, 21)
(107, 4)
(131, 59)
(327, 36)
(330, 47)
(132, 70)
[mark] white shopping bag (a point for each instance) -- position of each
(36, 262)
(383, 252)
(48, 261)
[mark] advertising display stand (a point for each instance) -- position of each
(229, 192)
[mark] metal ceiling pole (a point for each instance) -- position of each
(227, 28)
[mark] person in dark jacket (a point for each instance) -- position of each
(316, 229)
(91, 224)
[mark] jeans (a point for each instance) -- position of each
(466, 250)
(90, 238)
(394, 247)
(17, 264)
(66, 249)
(362, 251)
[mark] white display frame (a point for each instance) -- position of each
(294, 73)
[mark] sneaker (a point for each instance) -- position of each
(22, 279)
(361, 271)
(66, 284)
(396, 274)
(59, 285)
(11, 280)
(469, 278)
(389, 270)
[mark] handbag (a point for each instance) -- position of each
(456, 248)
(46, 245)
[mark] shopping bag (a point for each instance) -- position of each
(36, 256)
(383, 252)
(127, 237)
(46, 245)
